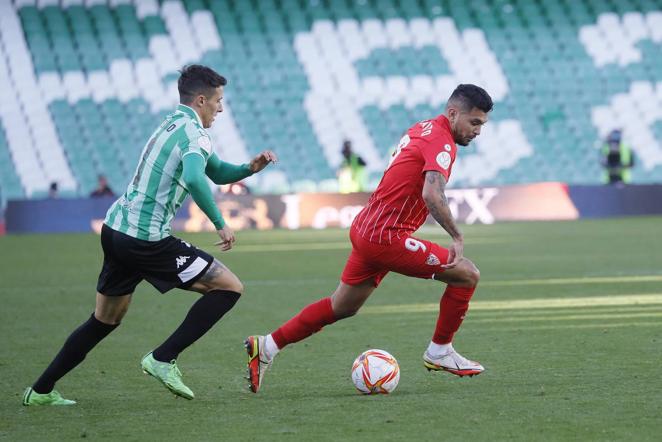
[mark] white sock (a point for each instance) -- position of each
(270, 347)
(439, 349)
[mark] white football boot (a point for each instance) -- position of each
(452, 362)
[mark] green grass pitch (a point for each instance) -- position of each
(567, 321)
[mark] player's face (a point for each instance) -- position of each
(466, 125)
(210, 107)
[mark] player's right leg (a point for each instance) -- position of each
(114, 288)
(345, 302)
(107, 316)
(359, 279)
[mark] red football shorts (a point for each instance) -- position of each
(408, 256)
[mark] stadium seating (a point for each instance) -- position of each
(83, 84)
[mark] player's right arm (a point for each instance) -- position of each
(221, 172)
(434, 195)
(193, 174)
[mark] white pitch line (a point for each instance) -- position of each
(596, 309)
(579, 280)
(503, 283)
(588, 316)
(572, 326)
(519, 304)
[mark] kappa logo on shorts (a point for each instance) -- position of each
(181, 260)
(432, 260)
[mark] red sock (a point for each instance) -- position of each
(452, 308)
(309, 320)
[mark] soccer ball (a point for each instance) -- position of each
(375, 372)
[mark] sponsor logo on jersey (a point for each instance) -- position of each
(205, 143)
(444, 160)
(447, 147)
(432, 260)
(181, 260)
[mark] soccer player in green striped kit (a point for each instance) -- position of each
(137, 243)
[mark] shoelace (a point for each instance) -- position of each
(454, 356)
(459, 359)
(173, 367)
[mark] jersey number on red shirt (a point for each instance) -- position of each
(404, 141)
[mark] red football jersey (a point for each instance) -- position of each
(396, 208)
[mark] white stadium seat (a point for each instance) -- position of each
(146, 8)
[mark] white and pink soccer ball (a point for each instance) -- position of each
(375, 372)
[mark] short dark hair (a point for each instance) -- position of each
(196, 79)
(468, 96)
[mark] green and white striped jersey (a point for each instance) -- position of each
(157, 189)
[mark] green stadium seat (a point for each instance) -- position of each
(153, 25)
(548, 70)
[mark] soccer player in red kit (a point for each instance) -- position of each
(412, 187)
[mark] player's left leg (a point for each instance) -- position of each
(220, 290)
(423, 259)
(440, 354)
(462, 281)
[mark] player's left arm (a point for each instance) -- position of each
(434, 195)
(221, 172)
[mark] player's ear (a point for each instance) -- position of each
(452, 114)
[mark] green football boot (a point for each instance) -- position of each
(168, 374)
(31, 397)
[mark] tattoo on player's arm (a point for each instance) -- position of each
(439, 208)
(442, 190)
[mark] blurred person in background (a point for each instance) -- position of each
(53, 190)
(102, 188)
(352, 173)
(137, 245)
(617, 158)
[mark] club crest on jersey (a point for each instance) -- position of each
(432, 260)
(204, 143)
(444, 160)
